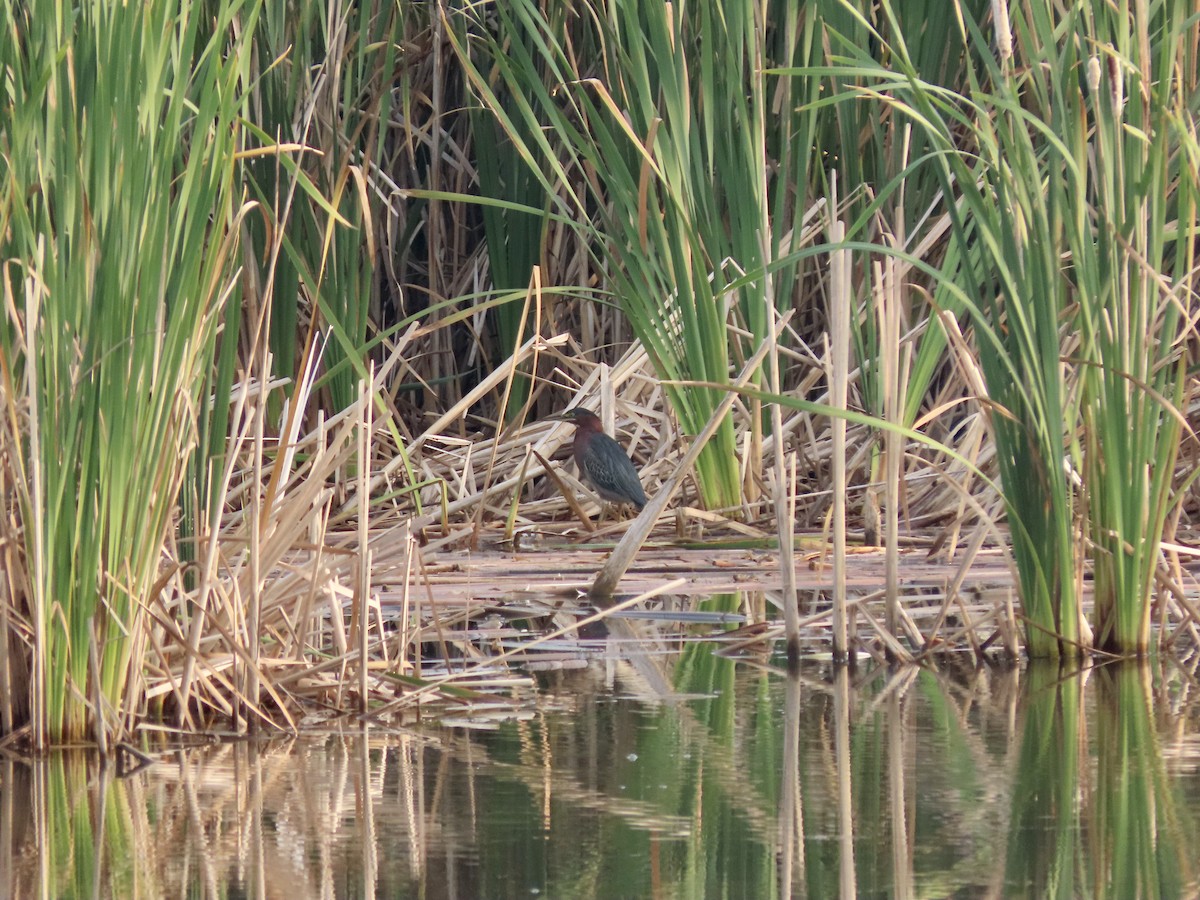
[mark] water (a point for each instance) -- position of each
(959, 783)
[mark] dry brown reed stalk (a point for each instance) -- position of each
(894, 376)
(287, 567)
(841, 299)
(784, 493)
(362, 583)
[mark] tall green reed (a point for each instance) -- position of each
(1101, 124)
(1061, 223)
(994, 192)
(893, 198)
(328, 82)
(117, 226)
(514, 238)
(648, 122)
(1132, 252)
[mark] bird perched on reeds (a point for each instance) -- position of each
(602, 463)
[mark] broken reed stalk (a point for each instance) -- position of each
(840, 300)
(259, 516)
(6, 681)
(510, 380)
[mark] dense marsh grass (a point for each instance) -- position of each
(214, 223)
(118, 233)
(1070, 158)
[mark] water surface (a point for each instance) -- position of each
(952, 781)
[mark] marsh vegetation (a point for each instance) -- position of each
(289, 290)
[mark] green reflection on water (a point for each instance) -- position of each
(1014, 783)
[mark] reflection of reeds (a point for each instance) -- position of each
(1143, 838)
(928, 776)
(1045, 829)
(848, 878)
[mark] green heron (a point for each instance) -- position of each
(602, 462)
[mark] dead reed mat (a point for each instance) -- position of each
(471, 566)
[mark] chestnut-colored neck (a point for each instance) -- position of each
(588, 423)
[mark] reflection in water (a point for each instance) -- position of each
(1043, 834)
(791, 805)
(873, 783)
(845, 792)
